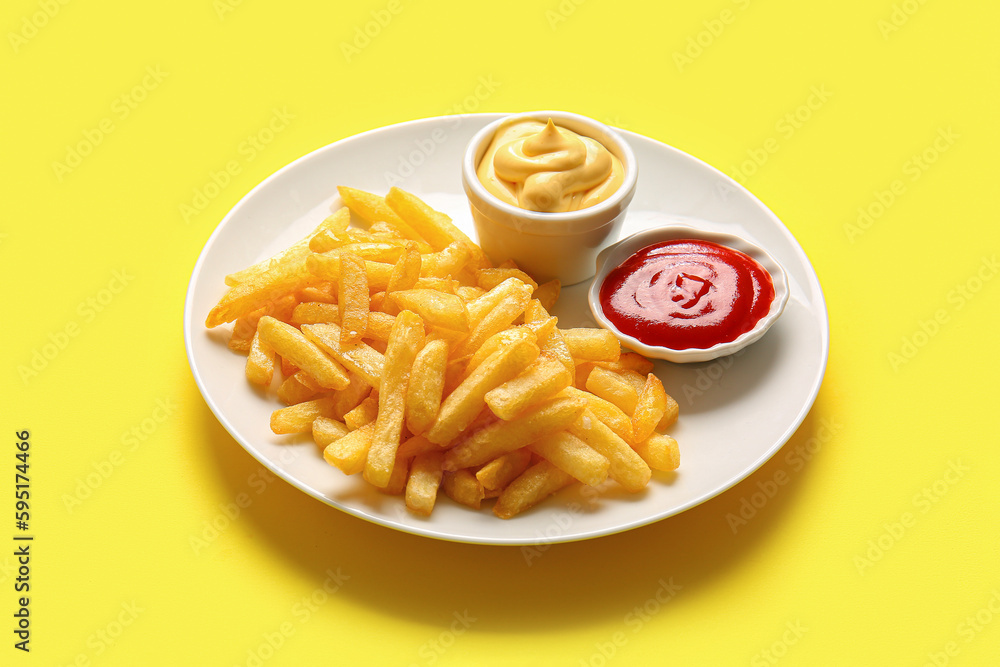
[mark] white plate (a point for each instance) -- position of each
(736, 412)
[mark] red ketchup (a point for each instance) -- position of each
(687, 294)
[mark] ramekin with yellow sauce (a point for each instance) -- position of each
(549, 190)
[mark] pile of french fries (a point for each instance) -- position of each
(414, 361)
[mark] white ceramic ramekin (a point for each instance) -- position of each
(614, 255)
(563, 246)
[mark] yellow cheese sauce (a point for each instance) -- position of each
(543, 167)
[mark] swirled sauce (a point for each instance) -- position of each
(542, 167)
(687, 294)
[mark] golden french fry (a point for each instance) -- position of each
(361, 358)
(260, 362)
(548, 293)
(467, 400)
(245, 327)
(505, 436)
(513, 299)
(607, 412)
(544, 378)
(298, 418)
(294, 253)
(469, 293)
(435, 308)
(592, 344)
(446, 262)
(502, 470)
(418, 444)
(372, 208)
(379, 326)
(325, 430)
(352, 299)
(650, 406)
(423, 483)
(496, 342)
(326, 266)
(350, 397)
(629, 361)
(572, 455)
(349, 452)
(670, 414)
(660, 452)
(291, 344)
(426, 388)
(490, 278)
(321, 293)
(259, 290)
(534, 485)
(627, 467)
(364, 413)
(437, 228)
(405, 341)
(313, 312)
(297, 388)
(463, 487)
(614, 387)
(406, 270)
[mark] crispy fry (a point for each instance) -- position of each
(289, 342)
(372, 208)
(259, 290)
(572, 455)
(607, 412)
(502, 470)
(446, 262)
(260, 362)
(490, 278)
(435, 308)
(544, 378)
(548, 293)
(405, 341)
(349, 452)
(314, 312)
(463, 487)
(615, 388)
(360, 358)
(534, 485)
(325, 430)
(363, 413)
(426, 388)
(660, 452)
(423, 483)
(592, 344)
(297, 388)
(627, 467)
(298, 418)
(467, 400)
(649, 409)
(511, 298)
(505, 436)
(352, 299)
(326, 267)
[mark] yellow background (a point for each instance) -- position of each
(823, 573)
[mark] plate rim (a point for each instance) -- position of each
(816, 299)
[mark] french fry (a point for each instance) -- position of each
(360, 358)
(446, 262)
(468, 399)
(490, 278)
(627, 467)
(418, 444)
(313, 312)
(502, 470)
(260, 362)
(426, 388)
(406, 270)
(296, 388)
(607, 412)
(534, 485)
(629, 361)
(245, 327)
(513, 297)
(434, 226)
(505, 436)
(325, 430)
(423, 483)
(660, 452)
(379, 326)
(572, 455)
(497, 342)
(350, 452)
(548, 293)
(352, 299)
(650, 407)
(463, 487)
(294, 253)
(405, 341)
(291, 344)
(364, 413)
(299, 418)
(326, 267)
(670, 414)
(435, 308)
(372, 208)
(350, 397)
(544, 378)
(592, 344)
(614, 387)
(259, 290)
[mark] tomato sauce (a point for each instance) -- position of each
(686, 294)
